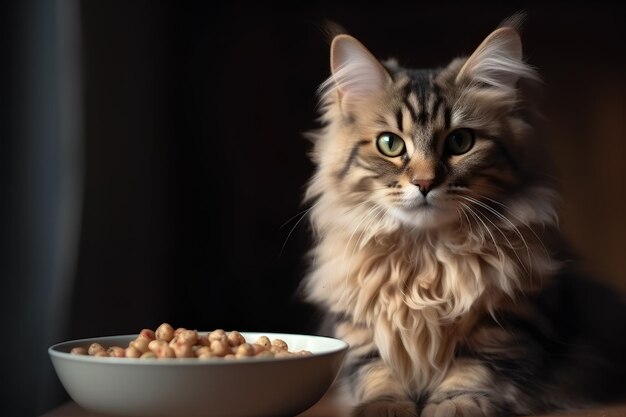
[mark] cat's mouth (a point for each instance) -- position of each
(414, 201)
(420, 203)
(421, 207)
(425, 211)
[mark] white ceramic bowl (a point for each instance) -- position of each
(254, 387)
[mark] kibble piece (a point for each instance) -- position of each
(141, 344)
(218, 334)
(131, 352)
(79, 350)
(164, 332)
(244, 350)
(174, 341)
(116, 352)
(183, 351)
(280, 344)
(147, 334)
(95, 347)
(276, 349)
(156, 344)
(258, 349)
(235, 338)
(101, 353)
(188, 337)
(203, 340)
(202, 351)
(148, 355)
(220, 348)
(164, 351)
(264, 341)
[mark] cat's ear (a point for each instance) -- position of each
(497, 62)
(356, 74)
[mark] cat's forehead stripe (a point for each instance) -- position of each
(436, 106)
(407, 102)
(447, 115)
(422, 97)
(399, 120)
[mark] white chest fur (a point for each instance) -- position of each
(413, 292)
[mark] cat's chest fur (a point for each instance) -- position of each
(418, 294)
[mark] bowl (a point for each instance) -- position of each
(192, 387)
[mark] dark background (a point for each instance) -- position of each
(193, 163)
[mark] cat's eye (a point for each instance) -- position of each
(390, 144)
(459, 142)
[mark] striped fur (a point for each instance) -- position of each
(444, 291)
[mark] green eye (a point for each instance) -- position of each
(459, 142)
(390, 144)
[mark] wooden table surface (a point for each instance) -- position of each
(325, 409)
(71, 409)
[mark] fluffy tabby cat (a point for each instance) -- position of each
(437, 255)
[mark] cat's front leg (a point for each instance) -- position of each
(372, 388)
(473, 388)
(467, 391)
(462, 405)
(379, 394)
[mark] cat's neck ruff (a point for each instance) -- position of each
(416, 289)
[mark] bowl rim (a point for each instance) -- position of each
(54, 351)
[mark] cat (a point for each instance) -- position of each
(437, 254)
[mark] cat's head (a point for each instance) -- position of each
(425, 148)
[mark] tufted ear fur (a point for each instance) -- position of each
(497, 62)
(356, 74)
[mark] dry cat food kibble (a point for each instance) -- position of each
(167, 342)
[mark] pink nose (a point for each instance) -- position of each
(424, 185)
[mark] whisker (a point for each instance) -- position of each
(302, 215)
(477, 217)
(526, 227)
(523, 223)
(469, 223)
(371, 215)
(370, 211)
(515, 229)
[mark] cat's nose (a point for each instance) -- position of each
(424, 185)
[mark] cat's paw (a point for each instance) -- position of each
(386, 408)
(460, 406)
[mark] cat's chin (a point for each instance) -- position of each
(424, 217)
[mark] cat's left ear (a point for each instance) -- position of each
(497, 62)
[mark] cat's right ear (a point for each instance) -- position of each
(357, 75)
